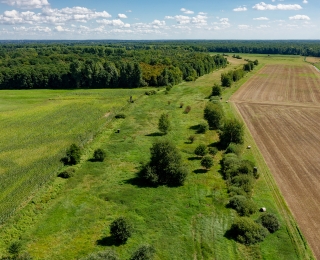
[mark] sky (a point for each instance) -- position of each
(159, 19)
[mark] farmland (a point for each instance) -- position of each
(68, 219)
(281, 108)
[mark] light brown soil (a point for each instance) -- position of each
(313, 59)
(281, 107)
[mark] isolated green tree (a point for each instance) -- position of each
(165, 166)
(213, 113)
(120, 230)
(164, 124)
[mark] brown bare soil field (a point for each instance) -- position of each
(282, 112)
(313, 59)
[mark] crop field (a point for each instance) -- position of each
(281, 107)
(37, 127)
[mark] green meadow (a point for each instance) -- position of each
(70, 218)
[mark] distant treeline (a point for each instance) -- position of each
(61, 66)
(289, 47)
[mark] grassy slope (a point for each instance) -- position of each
(71, 217)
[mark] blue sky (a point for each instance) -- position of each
(159, 19)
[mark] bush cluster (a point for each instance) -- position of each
(150, 92)
(67, 173)
(120, 115)
(73, 155)
(99, 155)
(243, 205)
(213, 113)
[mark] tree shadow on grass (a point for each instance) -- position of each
(194, 127)
(218, 145)
(194, 158)
(139, 182)
(230, 234)
(200, 171)
(108, 241)
(155, 134)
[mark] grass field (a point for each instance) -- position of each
(38, 126)
(69, 219)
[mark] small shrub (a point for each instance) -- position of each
(233, 191)
(169, 87)
(243, 205)
(151, 92)
(215, 99)
(187, 110)
(246, 231)
(213, 150)
(120, 115)
(73, 155)
(207, 162)
(269, 221)
(144, 252)
(232, 131)
(99, 155)
(15, 248)
(201, 150)
(164, 124)
(246, 182)
(121, 230)
(216, 90)
(192, 138)
(203, 127)
(68, 173)
(234, 148)
(181, 105)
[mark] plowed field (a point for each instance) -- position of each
(281, 107)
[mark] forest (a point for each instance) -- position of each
(124, 64)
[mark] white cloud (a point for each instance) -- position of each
(186, 11)
(129, 11)
(59, 28)
(305, 1)
(182, 19)
(168, 17)
(26, 4)
(116, 22)
(122, 16)
(158, 23)
(202, 13)
(32, 29)
(240, 9)
(263, 6)
(261, 19)
(222, 24)
(243, 26)
(52, 16)
(300, 17)
(263, 26)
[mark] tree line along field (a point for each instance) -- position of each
(69, 218)
(280, 105)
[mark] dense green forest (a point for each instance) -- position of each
(124, 64)
(60, 66)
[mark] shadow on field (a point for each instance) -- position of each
(155, 134)
(107, 241)
(194, 158)
(200, 171)
(194, 127)
(218, 145)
